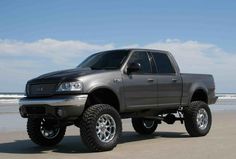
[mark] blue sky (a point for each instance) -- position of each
(121, 22)
(27, 25)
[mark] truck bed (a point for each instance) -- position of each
(193, 81)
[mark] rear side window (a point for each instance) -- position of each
(163, 63)
(141, 57)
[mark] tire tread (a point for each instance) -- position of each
(35, 135)
(88, 120)
(190, 114)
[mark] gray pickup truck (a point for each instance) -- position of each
(145, 85)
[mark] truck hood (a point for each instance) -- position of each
(63, 75)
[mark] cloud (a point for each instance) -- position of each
(54, 50)
(20, 61)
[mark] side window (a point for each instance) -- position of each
(142, 58)
(163, 63)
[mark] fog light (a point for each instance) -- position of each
(60, 112)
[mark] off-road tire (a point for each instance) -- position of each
(139, 127)
(34, 132)
(190, 118)
(88, 127)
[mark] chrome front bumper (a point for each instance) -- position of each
(70, 106)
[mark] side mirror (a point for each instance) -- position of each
(133, 67)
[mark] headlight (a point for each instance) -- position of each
(70, 86)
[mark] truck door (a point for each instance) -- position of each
(169, 81)
(140, 88)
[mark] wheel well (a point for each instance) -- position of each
(200, 95)
(103, 96)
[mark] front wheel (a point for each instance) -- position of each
(197, 119)
(45, 132)
(144, 126)
(100, 127)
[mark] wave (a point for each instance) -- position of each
(9, 100)
(11, 96)
(223, 96)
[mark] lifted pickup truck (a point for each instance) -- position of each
(145, 85)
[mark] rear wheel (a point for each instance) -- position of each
(197, 119)
(45, 132)
(144, 126)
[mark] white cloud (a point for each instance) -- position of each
(20, 61)
(55, 50)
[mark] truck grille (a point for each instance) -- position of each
(41, 90)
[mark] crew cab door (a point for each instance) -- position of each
(140, 88)
(169, 81)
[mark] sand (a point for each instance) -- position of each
(169, 141)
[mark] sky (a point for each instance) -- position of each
(37, 37)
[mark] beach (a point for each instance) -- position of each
(169, 141)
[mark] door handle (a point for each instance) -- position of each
(174, 80)
(150, 80)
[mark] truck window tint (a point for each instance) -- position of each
(141, 57)
(106, 60)
(163, 63)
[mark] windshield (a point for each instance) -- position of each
(106, 60)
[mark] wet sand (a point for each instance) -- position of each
(169, 141)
